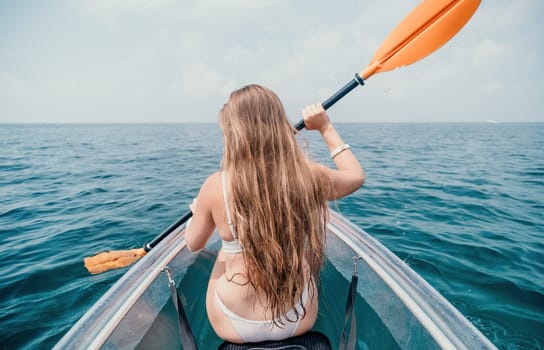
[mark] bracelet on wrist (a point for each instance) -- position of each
(339, 150)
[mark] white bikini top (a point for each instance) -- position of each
(234, 246)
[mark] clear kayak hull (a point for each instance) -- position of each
(395, 307)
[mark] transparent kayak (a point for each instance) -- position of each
(394, 306)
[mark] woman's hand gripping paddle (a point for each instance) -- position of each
(423, 31)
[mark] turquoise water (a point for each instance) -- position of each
(460, 203)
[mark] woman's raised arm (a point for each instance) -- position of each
(348, 175)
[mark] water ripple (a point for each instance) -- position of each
(462, 204)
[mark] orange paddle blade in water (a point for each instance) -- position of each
(112, 260)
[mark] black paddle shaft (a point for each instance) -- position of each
(352, 84)
(169, 230)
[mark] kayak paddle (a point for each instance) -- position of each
(428, 27)
(120, 258)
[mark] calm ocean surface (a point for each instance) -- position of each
(463, 204)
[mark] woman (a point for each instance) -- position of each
(269, 206)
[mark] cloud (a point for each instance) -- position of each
(10, 85)
(200, 81)
(488, 51)
(127, 59)
(108, 8)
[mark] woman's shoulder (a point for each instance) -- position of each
(213, 182)
(210, 190)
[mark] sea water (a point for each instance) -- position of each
(462, 204)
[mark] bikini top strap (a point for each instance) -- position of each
(229, 220)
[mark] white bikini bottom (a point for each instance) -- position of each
(260, 330)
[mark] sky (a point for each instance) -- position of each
(170, 61)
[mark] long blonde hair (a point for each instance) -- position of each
(279, 202)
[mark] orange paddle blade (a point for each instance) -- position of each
(112, 260)
(424, 30)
